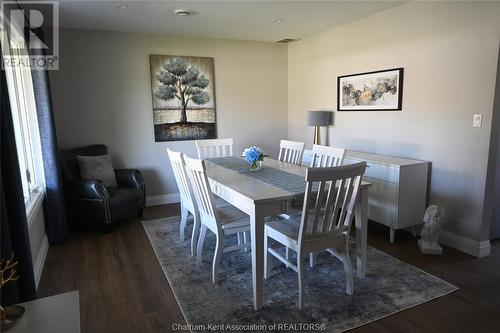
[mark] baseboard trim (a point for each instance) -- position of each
(464, 244)
(40, 260)
(162, 199)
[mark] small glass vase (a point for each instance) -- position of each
(256, 166)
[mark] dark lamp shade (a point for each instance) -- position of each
(319, 118)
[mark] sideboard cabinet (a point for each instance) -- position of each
(398, 195)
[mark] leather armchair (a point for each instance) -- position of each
(91, 200)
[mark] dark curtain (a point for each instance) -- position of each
(55, 214)
(14, 227)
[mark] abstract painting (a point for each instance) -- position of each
(373, 91)
(183, 92)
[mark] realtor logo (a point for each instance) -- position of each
(38, 22)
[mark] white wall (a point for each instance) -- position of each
(449, 53)
(102, 94)
(492, 202)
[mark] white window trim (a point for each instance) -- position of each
(33, 205)
(36, 193)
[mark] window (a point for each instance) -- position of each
(23, 107)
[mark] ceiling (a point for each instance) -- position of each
(241, 20)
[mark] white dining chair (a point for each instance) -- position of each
(218, 148)
(320, 156)
(291, 151)
(188, 204)
(187, 200)
(324, 224)
(324, 156)
(222, 222)
(214, 148)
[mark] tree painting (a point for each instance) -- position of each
(183, 98)
(183, 81)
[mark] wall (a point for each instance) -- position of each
(492, 202)
(449, 53)
(102, 94)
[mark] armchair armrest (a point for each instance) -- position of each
(90, 189)
(129, 178)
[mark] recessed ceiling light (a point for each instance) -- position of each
(120, 5)
(277, 20)
(183, 12)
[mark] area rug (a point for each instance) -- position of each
(390, 286)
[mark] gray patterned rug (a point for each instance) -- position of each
(389, 287)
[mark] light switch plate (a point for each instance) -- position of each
(478, 120)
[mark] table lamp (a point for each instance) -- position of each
(317, 119)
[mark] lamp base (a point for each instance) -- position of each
(317, 138)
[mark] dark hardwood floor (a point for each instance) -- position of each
(123, 289)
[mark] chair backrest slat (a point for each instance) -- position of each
(214, 148)
(181, 178)
(339, 189)
(305, 217)
(324, 156)
(203, 195)
(328, 211)
(345, 197)
(291, 151)
(332, 193)
(317, 222)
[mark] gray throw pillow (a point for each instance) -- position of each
(97, 167)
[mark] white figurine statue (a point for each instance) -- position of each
(429, 236)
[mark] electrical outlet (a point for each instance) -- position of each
(478, 120)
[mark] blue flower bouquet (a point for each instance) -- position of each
(253, 156)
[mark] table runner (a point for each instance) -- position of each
(283, 180)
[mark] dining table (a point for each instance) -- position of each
(271, 191)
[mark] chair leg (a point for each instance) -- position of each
(348, 270)
(246, 238)
(287, 250)
(312, 259)
(196, 232)
(239, 238)
(268, 258)
(219, 247)
(201, 240)
(392, 233)
(300, 268)
(184, 215)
